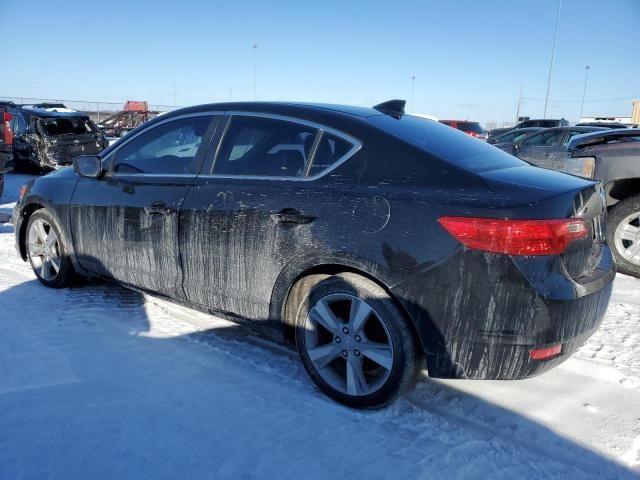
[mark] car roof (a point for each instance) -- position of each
(282, 108)
(460, 121)
(526, 129)
(575, 128)
(601, 136)
(40, 112)
(543, 120)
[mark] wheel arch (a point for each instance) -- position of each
(26, 213)
(293, 273)
(621, 189)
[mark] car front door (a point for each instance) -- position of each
(125, 225)
(540, 148)
(256, 210)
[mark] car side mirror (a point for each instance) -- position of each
(89, 166)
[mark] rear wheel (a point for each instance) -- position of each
(623, 234)
(353, 341)
(47, 253)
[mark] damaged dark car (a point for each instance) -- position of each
(379, 243)
(47, 138)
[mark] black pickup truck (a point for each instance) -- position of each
(613, 156)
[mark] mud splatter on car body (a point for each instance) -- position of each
(234, 244)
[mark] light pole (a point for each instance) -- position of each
(519, 103)
(584, 90)
(255, 76)
(413, 93)
(553, 52)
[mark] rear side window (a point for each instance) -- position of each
(512, 136)
(446, 143)
(266, 147)
(170, 148)
(330, 150)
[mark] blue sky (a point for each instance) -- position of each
(469, 57)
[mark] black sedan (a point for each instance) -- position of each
(549, 146)
(377, 242)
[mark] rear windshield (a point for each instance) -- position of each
(65, 125)
(470, 127)
(446, 143)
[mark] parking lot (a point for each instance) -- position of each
(104, 382)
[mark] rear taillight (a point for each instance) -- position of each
(7, 137)
(546, 353)
(516, 237)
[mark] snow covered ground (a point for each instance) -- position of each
(101, 382)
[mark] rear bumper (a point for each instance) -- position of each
(479, 315)
(505, 357)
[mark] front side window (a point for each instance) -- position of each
(266, 147)
(510, 136)
(170, 148)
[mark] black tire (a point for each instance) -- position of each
(407, 360)
(65, 276)
(617, 215)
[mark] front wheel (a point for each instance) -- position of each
(623, 234)
(354, 342)
(47, 252)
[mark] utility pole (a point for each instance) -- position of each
(255, 69)
(519, 103)
(553, 52)
(584, 90)
(413, 93)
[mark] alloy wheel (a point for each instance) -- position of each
(627, 238)
(44, 250)
(348, 344)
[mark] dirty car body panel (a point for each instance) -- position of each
(231, 203)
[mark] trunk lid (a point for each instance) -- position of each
(550, 194)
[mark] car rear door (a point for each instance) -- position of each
(254, 209)
(125, 225)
